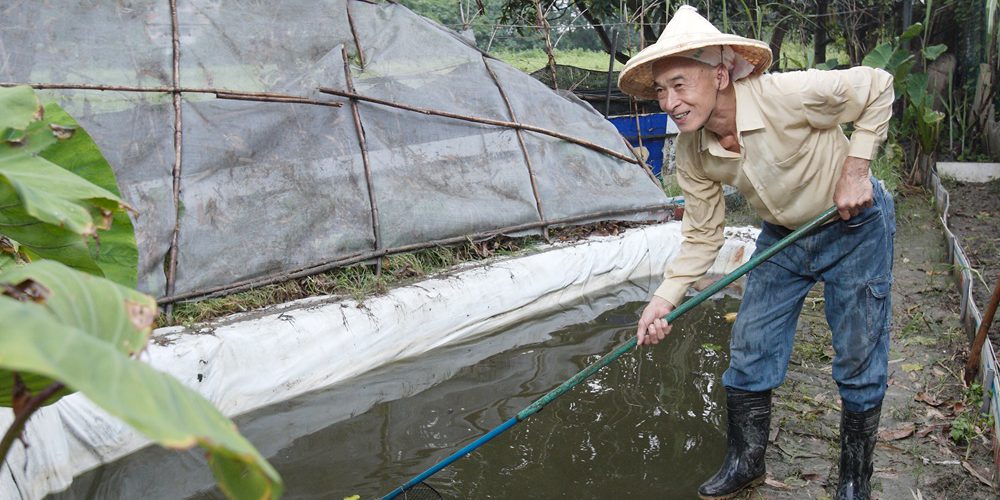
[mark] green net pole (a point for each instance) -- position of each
(613, 355)
(683, 308)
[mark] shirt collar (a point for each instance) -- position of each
(748, 115)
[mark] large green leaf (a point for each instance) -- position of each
(912, 31)
(115, 250)
(916, 86)
(879, 56)
(19, 105)
(35, 341)
(40, 240)
(101, 308)
(6, 261)
(934, 51)
(57, 191)
(53, 195)
(115, 314)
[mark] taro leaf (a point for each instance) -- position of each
(48, 209)
(6, 261)
(828, 64)
(51, 194)
(879, 56)
(115, 251)
(155, 404)
(932, 117)
(109, 312)
(911, 32)
(42, 240)
(916, 86)
(934, 51)
(20, 107)
(29, 140)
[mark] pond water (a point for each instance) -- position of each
(650, 425)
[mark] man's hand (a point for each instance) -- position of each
(652, 327)
(853, 193)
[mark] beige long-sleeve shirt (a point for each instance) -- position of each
(792, 150)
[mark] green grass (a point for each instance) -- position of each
(793, 56)
(799, 56)
(356, 282)
(888, 166)
(535, 59)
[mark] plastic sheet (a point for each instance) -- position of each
(249, 361)
(268, 188)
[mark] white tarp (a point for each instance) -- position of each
(249, 361)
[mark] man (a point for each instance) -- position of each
(777, 138)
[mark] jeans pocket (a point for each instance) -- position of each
(879, 306)
(870, 214)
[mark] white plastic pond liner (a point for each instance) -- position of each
(249, 361)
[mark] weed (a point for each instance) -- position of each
(355, 282)
(714, 348)
(902, 413)
(971, 423)
(916, 323)
(888, 167)
(670, 185)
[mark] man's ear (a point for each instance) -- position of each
(721, 77)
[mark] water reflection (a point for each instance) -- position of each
(647, 426)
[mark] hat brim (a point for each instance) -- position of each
(636, 78)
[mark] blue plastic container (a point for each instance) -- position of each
(653, 129)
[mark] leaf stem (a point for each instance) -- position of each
(22, 415)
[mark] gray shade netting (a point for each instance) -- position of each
(269, 188)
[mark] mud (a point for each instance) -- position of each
(915, 456)
(974, 217)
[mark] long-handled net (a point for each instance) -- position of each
(417, 483)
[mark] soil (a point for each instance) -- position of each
(974, 218)
(915, 456)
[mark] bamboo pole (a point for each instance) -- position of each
(354, 33)
(972, 365)
(485, 121)
(524, 148)
(543, 26)
(363, 144)
(219, 93)
(171, 277)
(378, 254)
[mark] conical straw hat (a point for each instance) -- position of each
(686, 30)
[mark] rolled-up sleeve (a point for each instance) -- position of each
(702, 228)
(861, 95)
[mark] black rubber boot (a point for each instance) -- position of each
(749, 424)
(858, 433)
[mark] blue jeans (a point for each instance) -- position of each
(854, 260)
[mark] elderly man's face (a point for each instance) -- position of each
(687, 90)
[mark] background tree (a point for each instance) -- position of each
(860, 23)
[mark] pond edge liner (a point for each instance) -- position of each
(250, 360)
(969, 314)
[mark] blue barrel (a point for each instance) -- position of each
(653, 129)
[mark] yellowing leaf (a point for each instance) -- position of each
(901, 432)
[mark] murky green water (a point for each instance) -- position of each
(648, 426)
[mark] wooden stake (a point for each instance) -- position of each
(972, 366)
